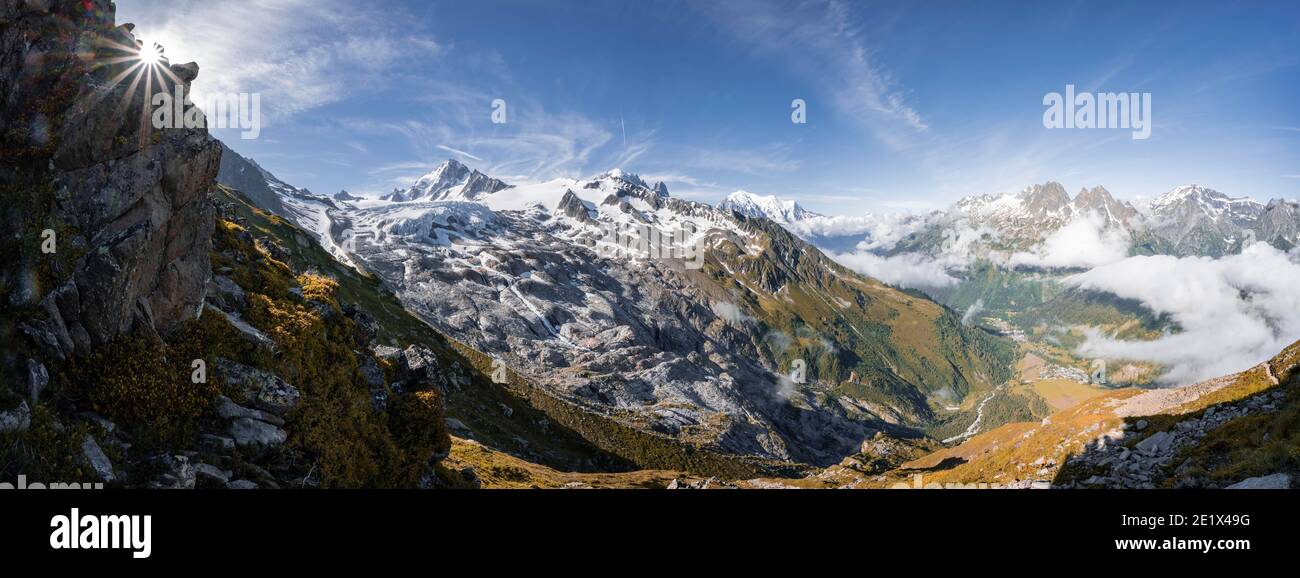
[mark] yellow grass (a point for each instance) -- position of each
(1062, 394)
(499, 470)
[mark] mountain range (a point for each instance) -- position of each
(1188, 220)
(693, 353)
(597, 334)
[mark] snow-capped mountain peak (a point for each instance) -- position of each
(1202, 221)
(770, 206)
(1099, 201)
(450, 181)
(450, 170)
(1047, 199)
(622, 175)
(1210, 202)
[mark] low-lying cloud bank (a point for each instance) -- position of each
(914, 270)
(879, 230)
(906, 270)
(1235, 312)
(1083, 243)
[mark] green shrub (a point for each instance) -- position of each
(134, 382)
(419, 425)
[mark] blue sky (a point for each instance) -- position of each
(911, 105)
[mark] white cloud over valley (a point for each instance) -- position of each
(1235, 312)
(1084, 242)
(905, 270)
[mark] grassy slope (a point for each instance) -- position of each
(1126, 318)
(1010, 452)
(902, 346)
(499, 470)
(997, 290)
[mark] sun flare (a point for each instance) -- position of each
(150, 52)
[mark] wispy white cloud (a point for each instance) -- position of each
(915, 270)
(298, 54)
(459, 152)
(533, 145)
(819, 41)
(766, 160)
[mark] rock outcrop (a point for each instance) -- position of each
(120, 204)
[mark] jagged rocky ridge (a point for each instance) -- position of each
(1189, 220)
(125, 202)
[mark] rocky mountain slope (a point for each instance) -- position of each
(106, 224)
(252, 180)
(1010, 262)
(121, 204)
(152, 339)
(549, 281)
(1022, 220)
(300, 206)
(1194, 220)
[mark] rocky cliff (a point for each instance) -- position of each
(107, 224)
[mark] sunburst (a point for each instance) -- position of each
(144, 65)
(150, 52)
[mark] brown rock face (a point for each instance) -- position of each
(128, 200)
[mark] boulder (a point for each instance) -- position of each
(419, 361)
(177, 473)
(211, 475)
(420, 364)
(216, 443)
(37, 379)
(16, 419)
(388, 353)
(1277, 481)
(226, 294)
(96, 460)
(246, 331)
(256, 435)
(262, 389)
(367, 328)
(230, 410)
(1155, 444)
(186, 72)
